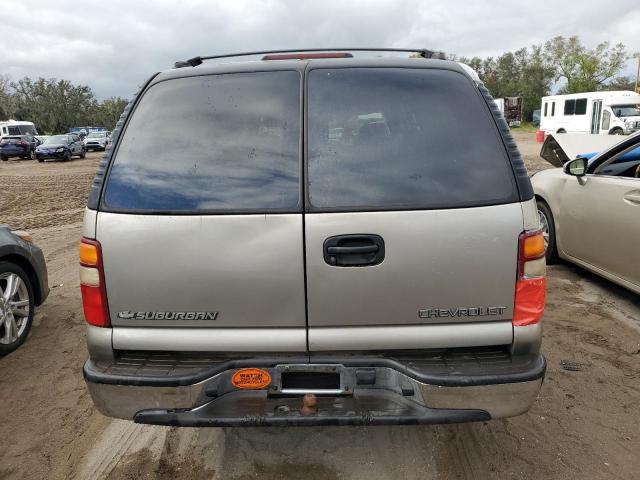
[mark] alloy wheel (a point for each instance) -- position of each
(14, 307)
(544, 226)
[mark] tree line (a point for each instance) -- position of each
(56, 105)
(561, 62)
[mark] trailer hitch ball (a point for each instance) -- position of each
(309, 404)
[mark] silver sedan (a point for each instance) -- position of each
(590, 212)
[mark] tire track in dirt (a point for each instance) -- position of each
(120, 438)
(35, 195)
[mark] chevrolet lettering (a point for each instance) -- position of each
(461, 312)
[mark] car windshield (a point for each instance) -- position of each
(56, 139)
(626, 110)
(96, 135)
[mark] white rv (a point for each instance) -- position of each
(13, 127)
(591, 112)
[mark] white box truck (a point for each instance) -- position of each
(603, 113)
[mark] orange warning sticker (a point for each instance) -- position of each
(251, 378)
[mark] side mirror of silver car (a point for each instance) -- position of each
(576, 167)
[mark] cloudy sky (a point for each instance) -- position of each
(113, 45)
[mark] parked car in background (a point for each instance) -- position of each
(362, 292)
(21, 146)
(17, 128)
(590, 212)
(536, 118)
(96, 141)
(23, 286)
(615, 113)
(60, 147)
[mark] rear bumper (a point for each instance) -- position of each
(373, 391)
(14, 152)
(51, 155)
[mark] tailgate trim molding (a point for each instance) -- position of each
(211, 339)
(397, 337)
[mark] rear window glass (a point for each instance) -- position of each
(219, 142)
(385, 138)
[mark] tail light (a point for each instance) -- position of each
(92, 286)
(531, 281)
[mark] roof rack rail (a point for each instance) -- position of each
(422, 52)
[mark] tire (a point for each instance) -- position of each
(616, 131)
(548, 225)
(32, 155)
(3, 158)
(83, 153)
(562, 130)
(68, 156)
(40, 160)
(9, 272)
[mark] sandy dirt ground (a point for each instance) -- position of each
(584, 425)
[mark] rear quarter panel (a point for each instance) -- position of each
(548, 186)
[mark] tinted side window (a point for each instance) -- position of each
(553, 108)
(581, 106)
(14, 130)
(546, 104)
(211, 143)
(385, 138)
(569, 107)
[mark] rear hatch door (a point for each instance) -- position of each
(412, 215)
(201, 217)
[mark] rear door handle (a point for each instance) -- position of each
(354, 250)
(632, 197)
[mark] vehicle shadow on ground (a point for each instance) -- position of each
(466, 451)
(611, 289)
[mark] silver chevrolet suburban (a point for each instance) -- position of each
(312, 238)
